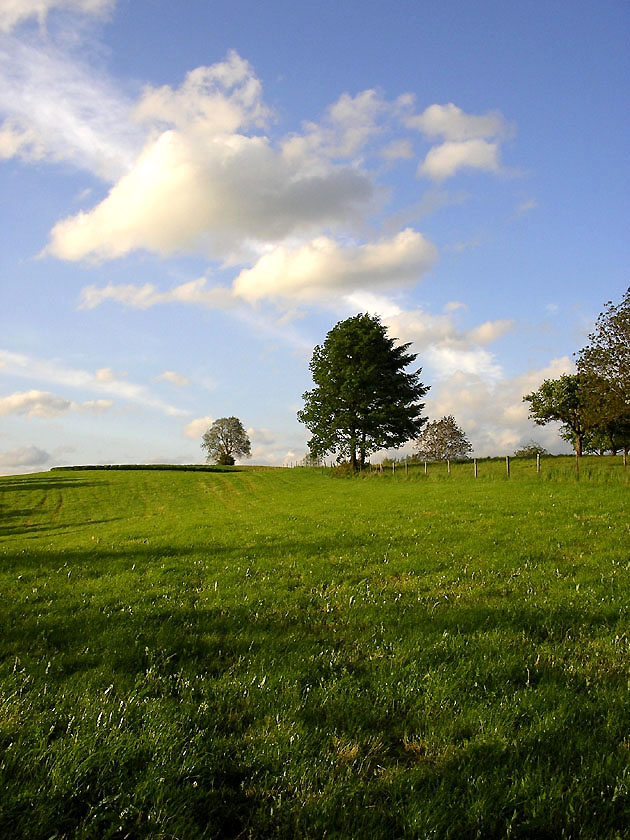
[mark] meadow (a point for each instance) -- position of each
(286, 653)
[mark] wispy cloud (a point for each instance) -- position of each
(33, 369)
(174, 378)
(57, 108)
(14, 12)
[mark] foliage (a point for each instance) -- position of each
(311, 461)
(530, 449)
(226, 440)
(562, 399)
(443, 440)
(604, 365)
(363, 399)
(275, 654)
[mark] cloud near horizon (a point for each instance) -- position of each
(31, 368)
(43, 404)
(492, 412)
(24, 456)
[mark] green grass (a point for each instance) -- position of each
(280, 653)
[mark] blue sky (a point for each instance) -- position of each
(194, 193)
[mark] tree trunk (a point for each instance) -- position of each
(578, 445)
(362, 451)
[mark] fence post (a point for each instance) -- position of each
(426, 469)
(507, 465)
(406, 468)
(538, 462)
(393, 467)
(475, 465)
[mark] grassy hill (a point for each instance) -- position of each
(281, 653)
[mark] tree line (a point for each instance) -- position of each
(365, 399)
(593, 404)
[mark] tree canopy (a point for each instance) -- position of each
(226, 440)
(562, 399)
(443, 440)
(529, 449)
(604, 366)
(363, 399)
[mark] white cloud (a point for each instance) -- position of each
(105, 374)
(44, 404)
(345, 129)
(526, 206)
(211, 197)
(470, 141)
(447, 361)
(13, 12)
(34, 404)
(397, 150)
(201, 185)
(445, 160)
(57, 108)
(217, 100)
(174, 378)
(95, 405)
(492, 411)
(24, 456)
(271, 449)
(31, 368)
(143, 297)
(322, 267)
(197, 427)
(425, 330)
(451, 123)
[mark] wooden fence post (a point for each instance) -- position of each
(393, 467)
(507, 465)
(448, 466)
(426, 469)
(538, 462)
(406, 468)
(475, 465)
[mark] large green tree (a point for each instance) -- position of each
(604, 366)
(562, 399)
(363, 399)
(225, 440)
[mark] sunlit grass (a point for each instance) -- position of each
(287, 654)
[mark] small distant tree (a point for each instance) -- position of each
(443, 440)
(565, 400)
(226, 440)
(530, 449)
(311, 461)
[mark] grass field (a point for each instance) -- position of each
(286, 654)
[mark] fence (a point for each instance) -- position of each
(600, 467)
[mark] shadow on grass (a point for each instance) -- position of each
(15, 522)
(202, 665)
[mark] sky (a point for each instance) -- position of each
(194, 192)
